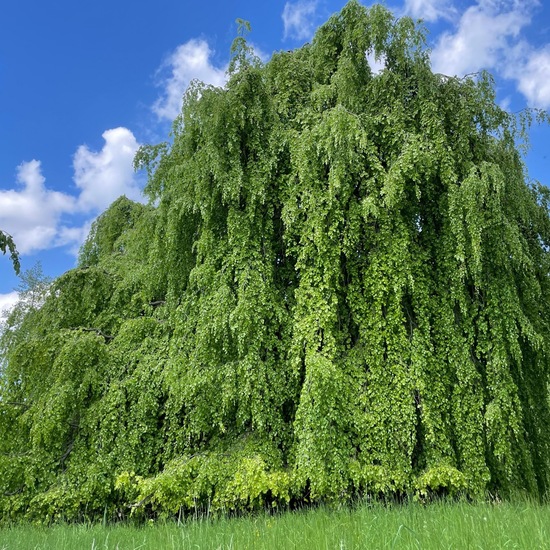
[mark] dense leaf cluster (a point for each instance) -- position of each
(342, 287)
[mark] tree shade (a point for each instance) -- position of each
(341, 287)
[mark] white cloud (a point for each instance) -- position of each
(489, 36)
(484, 34)
(32, 215)
(531, 69)
(7, 301)
(74, 236)
(259, 53)
(429, 10)
(298, 19)
(37, 217)
(104, 176)
(189, 61)
(505, 103)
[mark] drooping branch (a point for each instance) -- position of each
(7, 243)
(67, 452)
(98, 331)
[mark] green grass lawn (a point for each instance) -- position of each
(438, 526)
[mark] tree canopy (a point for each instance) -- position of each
(340, 286)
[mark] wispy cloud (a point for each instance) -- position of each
(299, 19)
(429, 10)
(189, 61)
(483, 36)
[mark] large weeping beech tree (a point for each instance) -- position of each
(342, 288)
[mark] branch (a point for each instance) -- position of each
(98, 331)
(67, 452)
(12, 493)
(143, 501)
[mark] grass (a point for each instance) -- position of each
(438, 526)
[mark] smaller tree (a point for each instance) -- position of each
(6, 243)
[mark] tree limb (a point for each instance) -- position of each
(98, 331)
(143, 501)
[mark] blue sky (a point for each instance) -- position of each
(83, 84)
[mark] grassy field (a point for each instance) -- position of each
(438, 526)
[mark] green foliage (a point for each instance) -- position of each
(441, 480)
(343, 287)
(247, 475)
(7, 244)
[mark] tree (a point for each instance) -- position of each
(343, 288)
(7, 244)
